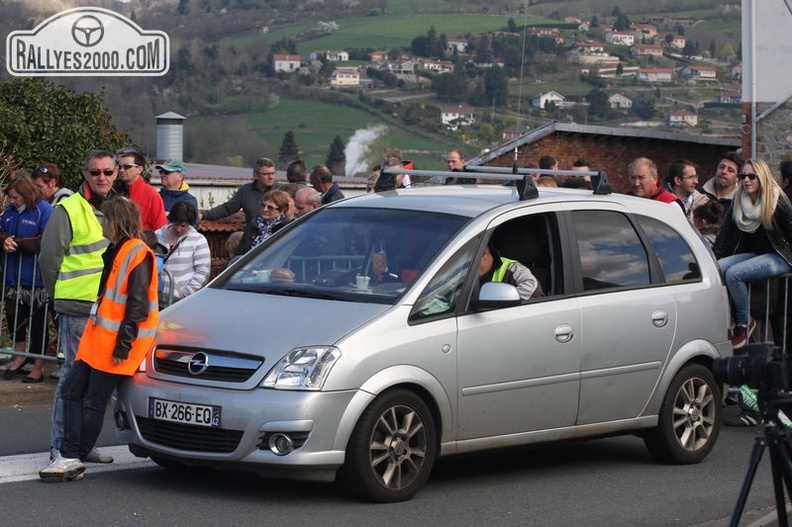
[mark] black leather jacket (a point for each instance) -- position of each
(728, 240)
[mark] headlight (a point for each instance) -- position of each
(302, 368)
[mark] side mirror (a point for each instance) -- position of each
(495, 295)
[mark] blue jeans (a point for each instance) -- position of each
(739, 269)
(85, 394)
(70, 330)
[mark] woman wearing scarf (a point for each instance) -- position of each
(273, 215)
(754, 242)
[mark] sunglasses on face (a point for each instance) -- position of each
(107, 172)
(268, 207)
(126, 166)
(744, 175)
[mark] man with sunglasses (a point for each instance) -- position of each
(131, 165)
(46, 177)
(249, 196)
(71, 268)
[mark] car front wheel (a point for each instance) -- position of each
(392, 449)
(689, 419)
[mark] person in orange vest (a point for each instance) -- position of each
(119, 333)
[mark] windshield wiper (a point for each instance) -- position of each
(304, 293)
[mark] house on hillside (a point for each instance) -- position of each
(609, 149)
(699, 73)
(457, 44)
(655, 74)
(541, 100)
(644, 28)
(438, 66)
(378, 56)
(680, 117)
(345, 76)
(455, 117)
(330, 55)
(619, 101)
(646, 50)
(287, 63)
(403, 69)
(677, 42)
(620, 38)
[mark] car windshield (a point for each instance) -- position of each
(355, 254)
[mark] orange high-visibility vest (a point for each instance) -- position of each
(101, 333)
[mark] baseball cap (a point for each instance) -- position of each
(173, 165)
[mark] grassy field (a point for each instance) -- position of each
(382, 32)
(315, 124)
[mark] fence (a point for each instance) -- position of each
(28, 321)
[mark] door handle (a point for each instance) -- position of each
(659, 319)
(564, 333)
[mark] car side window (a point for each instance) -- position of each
(611, 252)
(441, 295)
(676, 259)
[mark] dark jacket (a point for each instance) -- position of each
(333, 194)
(250, 233)
(172, 197)
(248, 198)
(730, 237)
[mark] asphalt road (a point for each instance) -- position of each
(606, 482)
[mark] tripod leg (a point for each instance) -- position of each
(779, 470)
(756, 456)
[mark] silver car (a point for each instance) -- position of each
(359, 343)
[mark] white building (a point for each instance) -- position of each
(543, 98)
(287, 63)
(619, 101)
(454, 117)
(345, 76)
(620, 38)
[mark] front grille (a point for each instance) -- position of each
(219, 366)
(192, 438)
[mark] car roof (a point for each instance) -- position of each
(473, 200)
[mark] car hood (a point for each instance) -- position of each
(259, 324)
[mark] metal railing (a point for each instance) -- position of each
(774, 322)
(25, 308)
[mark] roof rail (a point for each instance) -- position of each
(510, 176)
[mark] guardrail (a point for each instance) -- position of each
(24, 309)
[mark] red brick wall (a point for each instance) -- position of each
(613, 153)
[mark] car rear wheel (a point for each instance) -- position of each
(689, 419)
(392, 449)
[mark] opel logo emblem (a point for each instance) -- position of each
(87, 31)
(198, 363)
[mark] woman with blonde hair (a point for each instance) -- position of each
(754, 242)
(119, 333)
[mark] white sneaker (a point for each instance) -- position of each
(94, 456)
(57, 373)
(63, 469)
(27, 368)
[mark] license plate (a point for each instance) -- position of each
(187, 413)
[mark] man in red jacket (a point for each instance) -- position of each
(645, 182)
(131, 165)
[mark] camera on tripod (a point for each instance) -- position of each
(763, 367)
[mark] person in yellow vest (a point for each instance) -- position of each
(119, 333)
(495, 268)
(71, 266)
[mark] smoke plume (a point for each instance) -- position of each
(358, 150)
